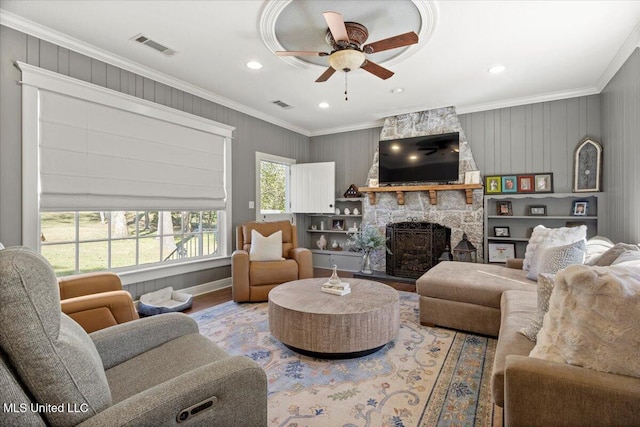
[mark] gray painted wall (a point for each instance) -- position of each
(621, 151)
(251, 135)
(533, 138)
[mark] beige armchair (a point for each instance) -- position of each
(96, 300)
(252, 281)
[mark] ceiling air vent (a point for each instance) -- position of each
(153, 45)
(282, 104)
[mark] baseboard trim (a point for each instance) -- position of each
(204, 288)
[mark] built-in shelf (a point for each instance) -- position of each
(331, 231)
(544, 217)
(432, 189)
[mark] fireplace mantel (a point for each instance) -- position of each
(432, 189)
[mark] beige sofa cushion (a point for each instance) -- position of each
(518, 307)
(480, 284)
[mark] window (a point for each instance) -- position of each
(80, 242)
(115, 182)
(273, 187)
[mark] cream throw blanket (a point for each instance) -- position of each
(594, 320)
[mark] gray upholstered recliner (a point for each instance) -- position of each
(151, 371)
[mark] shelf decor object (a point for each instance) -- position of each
(501, 251)
(504, 208)
(538, 210)
(465, 251)
(352, 191)
(579, 208)
(519, 183)
(501, 231)
(587, 166)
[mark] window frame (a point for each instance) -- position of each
(35, 78)
(288, 214)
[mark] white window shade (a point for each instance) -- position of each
(86, 147)
(97, 157)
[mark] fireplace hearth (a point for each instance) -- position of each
(415, 247)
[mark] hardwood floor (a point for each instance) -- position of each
(214, 298)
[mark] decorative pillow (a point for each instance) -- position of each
(628, 258)
(551, 237)
(545, 286)
(596, 246)
(593, 320)
(613, 253)
(266, 248)
(555, 258)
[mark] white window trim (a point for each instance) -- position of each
(34, 78)
(276, 159)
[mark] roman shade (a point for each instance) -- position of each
(100, 150)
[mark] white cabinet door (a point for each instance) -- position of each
(313, 187)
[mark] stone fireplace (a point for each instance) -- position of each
(415, 247)
(451, 210)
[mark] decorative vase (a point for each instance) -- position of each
(322, 242)
(347, 211)
(366, 264)
(335, 245)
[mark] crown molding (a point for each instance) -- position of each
(515, 102)
(350, 128)
(630, 44)
(31, 28)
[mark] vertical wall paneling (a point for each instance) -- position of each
(533, 138)
(251, 135)
(621, 152)
(13, 45)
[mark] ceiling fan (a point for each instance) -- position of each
(346, 39)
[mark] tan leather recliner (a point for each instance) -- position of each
(252, 281)
(96, 300)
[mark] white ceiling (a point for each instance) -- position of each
(552, 49)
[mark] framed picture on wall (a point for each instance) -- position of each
(543, 183)
(525, 183)
(509, 184)
(493, 185)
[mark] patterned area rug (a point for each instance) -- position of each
(426, 377)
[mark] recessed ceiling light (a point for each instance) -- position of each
(397, 90)
(323, 105)
(497, 69)
(413, 157)
(254, 65)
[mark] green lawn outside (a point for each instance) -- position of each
(60, 228)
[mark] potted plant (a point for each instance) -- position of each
(366, 241)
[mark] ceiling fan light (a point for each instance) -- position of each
(346, 60)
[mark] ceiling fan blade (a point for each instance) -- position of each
(400, 40)
(325, 76)
(377, 70)
(300, 53)
(336, 26)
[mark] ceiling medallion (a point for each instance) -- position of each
(426, 9)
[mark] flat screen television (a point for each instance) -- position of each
(419, 159)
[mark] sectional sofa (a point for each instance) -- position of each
(500, 301)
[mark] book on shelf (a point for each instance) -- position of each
(335, 291)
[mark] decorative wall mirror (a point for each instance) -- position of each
(587, 166)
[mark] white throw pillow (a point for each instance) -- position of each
(596, 246)
(555, 258)
(545, 287)
(629, 258)
(611, 255)
(266, 248)
(551, 237)
(593, 320)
